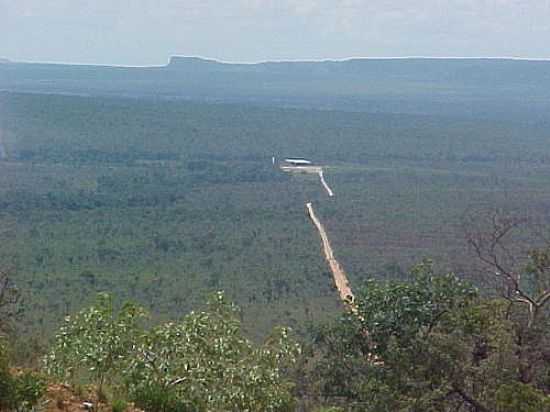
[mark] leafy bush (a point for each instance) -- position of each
(430, 344)
(18, 392)
(155, 397)
(7, 387)
(204, 363)
(119, 405)
(29, 389)
(201, 363)
(519, 397)
(97, 341)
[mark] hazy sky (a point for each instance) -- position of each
(143, 32)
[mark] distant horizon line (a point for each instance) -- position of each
(256, 62)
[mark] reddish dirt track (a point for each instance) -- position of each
(340, 277)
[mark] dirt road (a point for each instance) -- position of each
(324, 183)
(310, 169)
(340, 277)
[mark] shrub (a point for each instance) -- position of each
(518, 397)
(155, 397)
(202, 363)
(18, 392)
(205, 363)
(97, 341)
(120, 405)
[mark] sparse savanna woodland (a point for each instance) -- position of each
(154, 257)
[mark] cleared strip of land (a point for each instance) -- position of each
(340, 277)
(310, 169)
(324, 183)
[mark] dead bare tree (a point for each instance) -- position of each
(521, 275)
(10, 297)
(492, 247)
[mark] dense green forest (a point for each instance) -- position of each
(165, 202)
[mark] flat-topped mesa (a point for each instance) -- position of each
(471, 70)
(201, 65)
(288, 68)
(192, 62)
(280, 68)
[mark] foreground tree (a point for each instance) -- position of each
(19, 390)
(10, 298)
(522, 278)
(202, 363)
(98, 341)
(427, 345)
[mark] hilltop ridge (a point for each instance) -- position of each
(408, 66)
(427, 86)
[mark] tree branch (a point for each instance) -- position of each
(478, 407)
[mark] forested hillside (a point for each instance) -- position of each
(157, 186)
(468, 87)
(164, 202)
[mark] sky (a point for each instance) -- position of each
(148, 32)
